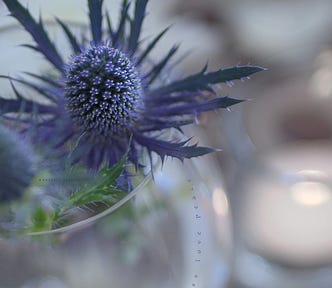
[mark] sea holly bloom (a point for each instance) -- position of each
(17, 162)
(109, 96)
(103, 91)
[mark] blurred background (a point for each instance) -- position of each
(256, 214)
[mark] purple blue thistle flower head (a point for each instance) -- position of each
(16, 165)
(109, 97)
(103, 91)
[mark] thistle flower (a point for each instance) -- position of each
(16, 165)
(103, 91)
(109, 97)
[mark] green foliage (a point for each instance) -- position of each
(41, 220)
(101, 190)
(104, 189)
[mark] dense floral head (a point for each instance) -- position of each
(102, 96)
(16, 165)
(103, 90)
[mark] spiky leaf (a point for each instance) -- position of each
(217, 103)
(177, 150)
(109, 26)
(119, 34)
(202, 80)
(45, 79)
(47, 92)
(136, 25)
(155, 71)
(19, 104)
(159, 124)
(96, 19)
(36, 30)
(71, 37)
(149, 48)
(103, 190)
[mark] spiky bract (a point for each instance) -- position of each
(112, 95)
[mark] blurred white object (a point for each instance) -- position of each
(279, 31)
(281, 202)
(321, 81)
(281, 194)
(201, 203)
(285, 215)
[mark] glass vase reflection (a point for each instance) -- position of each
(280, 200)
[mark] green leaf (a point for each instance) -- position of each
(41, 220)
(103, 190)
(105, 194)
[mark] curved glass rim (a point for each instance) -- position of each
(93, 219)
